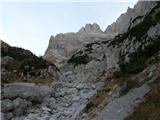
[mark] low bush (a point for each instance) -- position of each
(117, 74)
(138, 59)
(81, 59)
(89, 107)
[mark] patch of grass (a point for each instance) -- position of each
(110, 86)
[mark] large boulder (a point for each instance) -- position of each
(28, 91)
(6, 105)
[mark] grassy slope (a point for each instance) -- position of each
(150, 108)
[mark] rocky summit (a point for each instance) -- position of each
(90, 74)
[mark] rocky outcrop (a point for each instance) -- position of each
(26, 91)
(132, 17)
(63, 46)
(89, 28)
(102, 55)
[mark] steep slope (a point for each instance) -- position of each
(22, 65)
(132, 17)
(125, 51)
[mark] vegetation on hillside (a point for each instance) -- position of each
(138, 59)
(79, 59)
(139, 30)
(150, 108)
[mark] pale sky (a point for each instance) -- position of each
(30, 23)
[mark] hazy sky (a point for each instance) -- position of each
(30, 23)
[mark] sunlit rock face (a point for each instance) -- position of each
(91, 28)
(132, 17)
(62, 46)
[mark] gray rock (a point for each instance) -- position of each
(90, 28)
(6, 105)
(119, 108)
(6, 60)
(80, 86)
(20, 106)
(131, 18)
(27, 91)
(8, 116)
(50, 103)
(154, 31)
(63, 46)
(84, 117)
(76, 98)
(2, 116)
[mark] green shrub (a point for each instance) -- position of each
(137, 61)
(81, 59)
(16, 53)
(133, 67)
(89, 106)
(117, 74)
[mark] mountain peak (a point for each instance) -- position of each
(91, 28)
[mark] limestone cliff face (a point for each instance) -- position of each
(132, 17)
(94, 52)
(128, 49)
(63, 46)
(89, 28)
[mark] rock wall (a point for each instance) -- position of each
(63, 46)
(132, 17)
